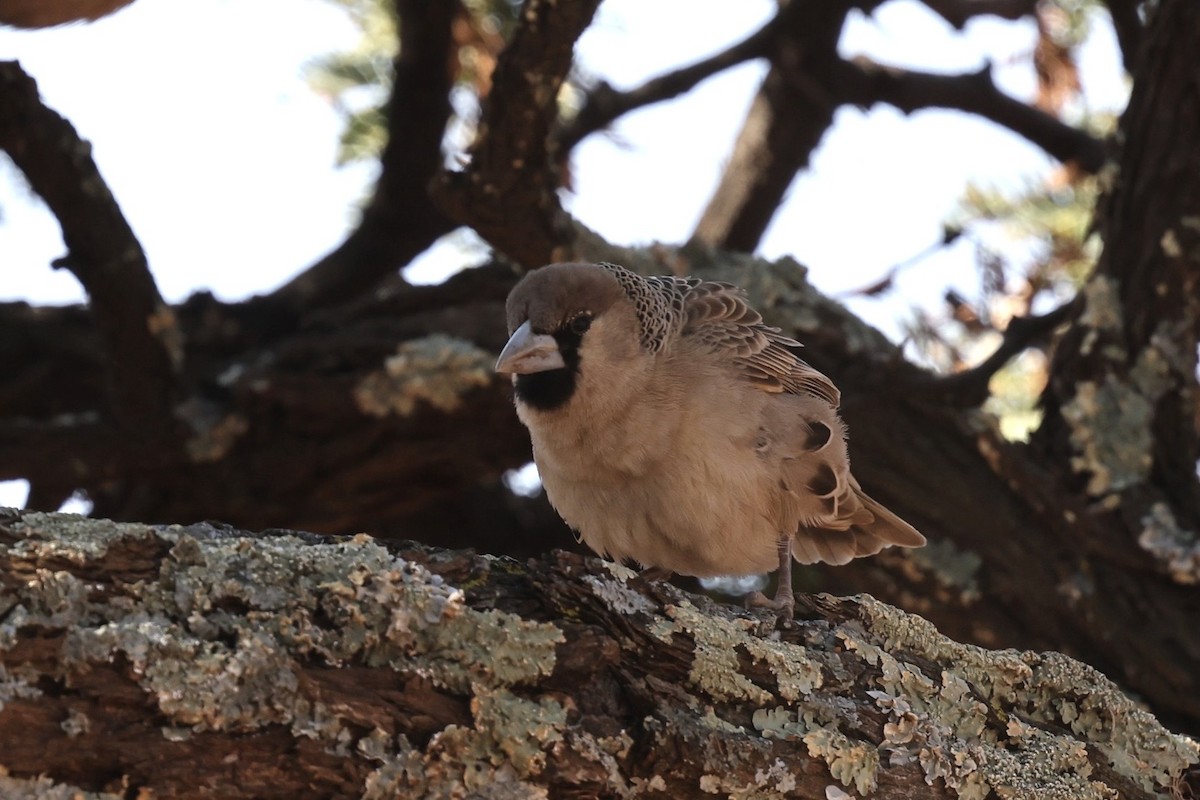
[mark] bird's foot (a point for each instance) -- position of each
(783, 603)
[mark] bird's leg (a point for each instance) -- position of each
(784, 602)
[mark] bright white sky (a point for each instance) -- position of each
(222, 157)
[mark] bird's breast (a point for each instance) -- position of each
(696, 505)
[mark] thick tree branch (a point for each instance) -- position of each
(140, 334)
(508, 192)
(788, 116)
(37, 450)
(200, 662)
(1121, 399)
(959, 12)
(40, 14)
(1127, 22)
(400, 222)
(866, 83)
(370, 414)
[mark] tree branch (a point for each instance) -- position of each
(37, 450)
(508, 191)
(969, 388)
(788, 116)
(959, 12)
(1127, 23)
(139, 331)
(158, 660)
(1120, 401)
(866, 83)
(400, 222)
(605, 104)
(360, 420)
(37, 14)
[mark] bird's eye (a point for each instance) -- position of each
(580, 324)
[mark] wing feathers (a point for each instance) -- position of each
(719, 316)
(837, 521)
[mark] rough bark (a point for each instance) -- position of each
(382, 402)
(508, 191)
(377, 410)
(208, 662)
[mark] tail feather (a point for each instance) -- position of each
(821, 545)
(888, 527)
(866, 536)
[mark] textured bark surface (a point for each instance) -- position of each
(350, 401)
(142, 661)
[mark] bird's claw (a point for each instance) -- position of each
(783, 604)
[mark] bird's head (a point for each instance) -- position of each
(569, 324)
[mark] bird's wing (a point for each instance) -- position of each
(833, 519)
(718, 315)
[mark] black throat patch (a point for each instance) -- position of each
(549, 390)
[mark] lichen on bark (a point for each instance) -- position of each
(362, 670)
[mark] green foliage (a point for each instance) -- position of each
(1051, 223)
(358, 82)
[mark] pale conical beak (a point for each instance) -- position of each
(528, 352)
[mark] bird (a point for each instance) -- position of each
(670, 426)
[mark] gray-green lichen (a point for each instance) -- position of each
(77, 723)
(1102, 309)
(617, 595)
(15, 687)
(214, 432)
(1111, 418)
(77, 540)
(43, 788)
(852, 762)
(715, 668)
(1110, 432)
(216, 635)
(1174, 546)
(1019, 724)
(776, 782)
(436, 369)
(501, 755)
(1111, 423)
(944, 722)
(1170, 244)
